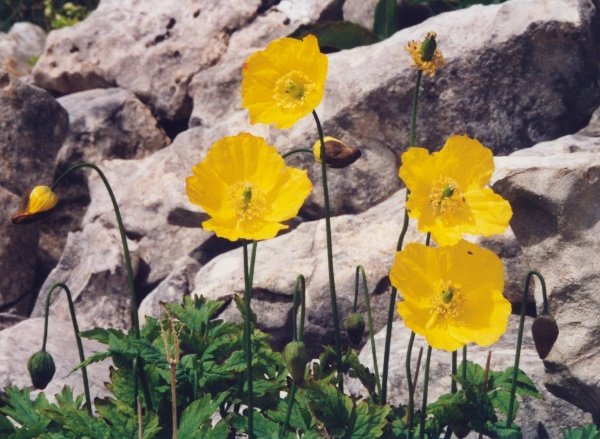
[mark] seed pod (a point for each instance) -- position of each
(428, 47)
(355, 328)
(295, 359)
(545, 333)
(339, 154)
(41, 369)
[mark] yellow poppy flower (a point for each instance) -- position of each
(41, 199)
(425, 55)
(284, 82)
(451, 295)
(448, 193)
(244, 185)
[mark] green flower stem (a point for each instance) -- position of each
(425, 389)
(86, 387)
(513, 388)
(464, 365)
(334, 309)
(248, 341)
(297, 335)
(132, 294)
(454, 361)
(360, 269)
(394, 293)
(409, 382)
(252, 263)
(297, 151)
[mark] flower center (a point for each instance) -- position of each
(291, 90)
(249, 203)
(446, 196)
(446, 304)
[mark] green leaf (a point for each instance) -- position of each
(102, 335)
(500, 431)
(198, 413)
(369, 421)
(24, 411)
(386, 18)
(525, 387)
(6, 427)
(589, 431)
(337, 35)
(330, 407)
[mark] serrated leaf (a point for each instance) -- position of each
(330, 407)
(369, 421)
(525, 386)
(386, 18)
(6, 427)
(337, 35)
(102, 335)
(500, 431)
(23, 410)
(198, 413)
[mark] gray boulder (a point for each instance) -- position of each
(20, 47)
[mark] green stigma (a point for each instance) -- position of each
(447, 192)
(447, 295)
(247, 195)
(295, 90)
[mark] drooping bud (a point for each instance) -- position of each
(41, 369)
(545, 332)
(355, 327)
(35, 205)
(339, 154)
(295, 357)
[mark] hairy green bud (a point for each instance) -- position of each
(295, 359)
(41, 369)
(355, 327)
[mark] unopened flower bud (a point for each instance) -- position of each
(35, 204)
(295, 357)
(355, 327)
(545, 333)
(41, 369)
(339, 154)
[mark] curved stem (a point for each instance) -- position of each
(248, 341)
(409, 382)
(425, 389)
(130, 278)
(86, 387)
(513, 388)
(334, 309)
(296, 151)
(361, 269)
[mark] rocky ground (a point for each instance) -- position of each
(144, 91)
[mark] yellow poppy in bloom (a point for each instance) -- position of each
(448, 193)
(451, 295)
(245, 187)
(41, 199)
(425, 54)
(284, 82)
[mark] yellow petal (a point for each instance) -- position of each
(41, 199)
(490, 212)
(467, 161)
(288, 194)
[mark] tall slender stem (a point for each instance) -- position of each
(297, 335)
(334, 309)
(86, 387)
(454, 361)
(513, 388)
(394, 293)
(425, 389)
(248, 340)
(130, 277)
(409, 382)
(361, 269)
(464, 363)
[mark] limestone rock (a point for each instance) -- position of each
(104, 124)
(533, 97)
(32, 127)
(151, 48)
(93, 267)
(538, 418)
(20, 46)
(19, 342)
(556, 221)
